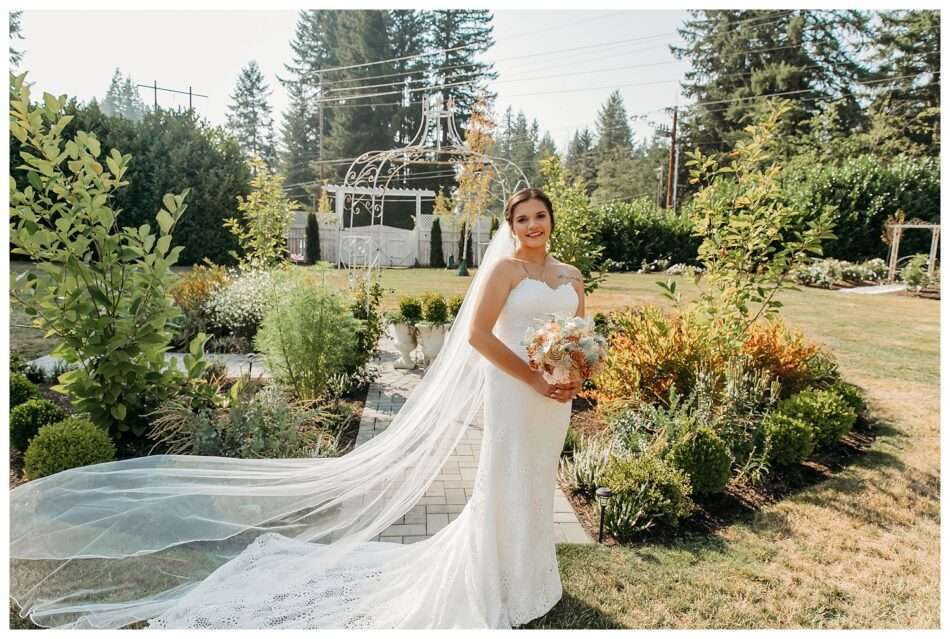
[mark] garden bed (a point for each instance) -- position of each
(737, 501)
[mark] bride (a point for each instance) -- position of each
(186, 541)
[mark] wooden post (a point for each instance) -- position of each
(669, 175)
(934, 243)
(895, 245)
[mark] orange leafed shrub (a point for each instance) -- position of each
(781, 351)
(649, 352)
(195, 286)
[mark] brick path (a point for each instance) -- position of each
(450, 491)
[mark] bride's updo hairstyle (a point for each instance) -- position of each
(528, 194)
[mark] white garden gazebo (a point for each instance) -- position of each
(373, 177)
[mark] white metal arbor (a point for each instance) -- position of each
(374, 173)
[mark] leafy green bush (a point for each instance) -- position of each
(864, 191)
(851, 394)
(639, 231)
(914, 273)
(32, 372)
(101, 286)
(27, 418)
(247, 425)
(790, 440)
(703, 456)
(434, 309)
(170, 149)
(21, 389)
(70, 443)
(365, 308)
(410, 309)
(308, 336)
(646, 490)
(455, 304)
(826, 411)
(582, 471)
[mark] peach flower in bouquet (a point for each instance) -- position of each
(565, 350)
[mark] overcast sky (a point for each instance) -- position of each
(557, 66)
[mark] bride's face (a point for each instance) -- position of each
(531, 223)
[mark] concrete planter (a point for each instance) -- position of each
(405, 338)
(431, 337)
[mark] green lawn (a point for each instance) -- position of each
(858, 550)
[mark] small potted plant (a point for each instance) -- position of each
(404, 329)
(435, 315)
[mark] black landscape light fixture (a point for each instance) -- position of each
(603, 496)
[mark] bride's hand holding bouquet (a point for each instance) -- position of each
(565, 352)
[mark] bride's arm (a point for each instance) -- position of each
(488, 306)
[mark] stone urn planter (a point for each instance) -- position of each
(405, 337)
(431, 338)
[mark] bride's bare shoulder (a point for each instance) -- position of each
(568, 271)
(502, 272)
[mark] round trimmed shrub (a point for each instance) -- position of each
(790, 439)
(646, 490)
(851, 394)
(410, 308)
(434, 309)
(455, 304)
(703, 456)
(72, 442)
(826, 411)
(21, 389)
(27, 419)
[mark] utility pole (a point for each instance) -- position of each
(669, 175)
(320, 126)
(155, 89)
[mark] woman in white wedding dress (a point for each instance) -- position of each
(494, 566)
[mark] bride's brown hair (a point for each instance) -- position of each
(528, 194)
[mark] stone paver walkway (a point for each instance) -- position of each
(451, 490)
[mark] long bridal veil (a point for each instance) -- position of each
(107, 545)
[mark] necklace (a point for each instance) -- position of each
(544, 266)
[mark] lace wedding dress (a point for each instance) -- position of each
(219, 542)
(494, 566)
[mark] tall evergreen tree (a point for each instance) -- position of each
(906, 109)
(122, 98)
(613, 129)
(737, 55)
(361, 36)
(313, 50)
(580, 161)
(16, 33)
(249, 116)
(436, 255)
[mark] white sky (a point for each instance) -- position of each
(174, 48)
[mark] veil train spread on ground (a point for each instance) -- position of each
(111, 544)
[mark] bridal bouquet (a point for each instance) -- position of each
(566, 350)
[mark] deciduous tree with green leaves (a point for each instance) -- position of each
(574, 238)
(100, 288)
(751, 237)
(268, 213)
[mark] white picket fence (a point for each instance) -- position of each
(396, 247)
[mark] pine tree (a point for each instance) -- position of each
(737, 55)
(313, 239)
(361, 37)
(312, 48)
(16, 33)
(436, 256)
(249, 116)
(122, 99)
(906, 111)
(580, 162)
(613, 128)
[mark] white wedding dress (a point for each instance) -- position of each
(494, 566)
